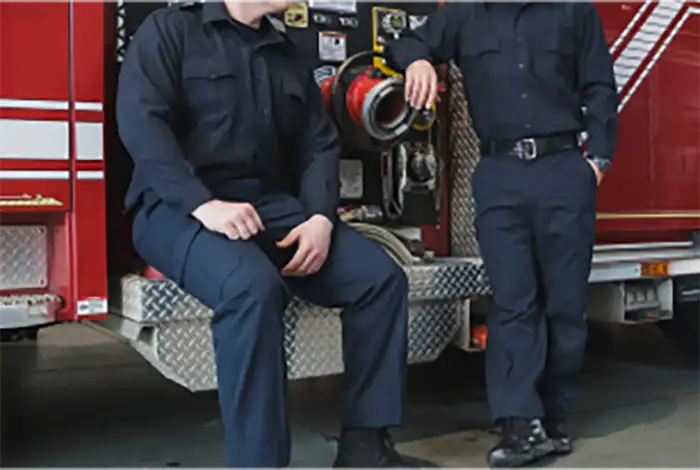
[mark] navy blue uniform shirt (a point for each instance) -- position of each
(528, 68)
(204, 100)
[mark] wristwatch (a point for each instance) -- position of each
(602, 163)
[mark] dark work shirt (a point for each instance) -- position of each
(528, 68)
(204, 101)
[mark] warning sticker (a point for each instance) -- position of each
(340, 6)
(297, 15)
(332, 46)
(351, 179)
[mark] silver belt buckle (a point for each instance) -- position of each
(526, 149)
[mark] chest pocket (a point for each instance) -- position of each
(210, 86)
(480, 52)
(290, 104)
(554, 54)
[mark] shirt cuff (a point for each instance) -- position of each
(195, 195)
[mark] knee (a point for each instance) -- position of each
(388, 274)
(254, 285)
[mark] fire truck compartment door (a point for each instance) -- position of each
(35, 148)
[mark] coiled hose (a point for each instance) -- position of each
(387, 240)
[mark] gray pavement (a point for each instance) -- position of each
(87, 400)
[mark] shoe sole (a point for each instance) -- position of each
(500, 460)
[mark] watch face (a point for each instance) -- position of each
(602, 164)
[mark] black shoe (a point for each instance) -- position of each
(559, 437)
(373, 448)
(522, 442)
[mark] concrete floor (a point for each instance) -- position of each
(92, 402)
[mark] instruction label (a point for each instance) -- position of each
(332, 46)
(351, 179)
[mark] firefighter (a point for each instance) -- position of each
(535, 76)
(234, 194)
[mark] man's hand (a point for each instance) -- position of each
(236, 220)
(421, 84)
(314, 239)
(598, 173)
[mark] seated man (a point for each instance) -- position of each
(235, 190)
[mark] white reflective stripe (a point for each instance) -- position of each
(33, 140)
(34, 175)
(90, 175)
(48, 140)
(644, 40)
(89, 141)
(33, 104)
(50, 174)
(88, 106)
(49, 104)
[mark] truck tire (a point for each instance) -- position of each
(684, 329)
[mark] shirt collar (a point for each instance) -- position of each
(215, 11)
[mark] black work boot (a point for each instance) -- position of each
(372, 448)
(556, 431)
(522, 442)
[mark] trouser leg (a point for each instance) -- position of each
(565, 225)
(359, 276)
(244, 289)
(516, 347)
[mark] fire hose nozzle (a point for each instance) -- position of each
(362, 100)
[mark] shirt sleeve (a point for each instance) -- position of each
(319, 152)
(146, 102)
(437, 40)
(596, 82)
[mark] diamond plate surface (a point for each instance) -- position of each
(464, 147)
(23, 257)
(176, 338)
(148, 301)
(183, 351)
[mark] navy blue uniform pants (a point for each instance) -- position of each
(241, 282)
(535, 228)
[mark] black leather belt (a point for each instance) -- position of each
(530, 148)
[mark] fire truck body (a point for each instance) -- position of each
(63, 174)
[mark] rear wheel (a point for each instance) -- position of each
(683, 330)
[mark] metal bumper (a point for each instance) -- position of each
(170, 328)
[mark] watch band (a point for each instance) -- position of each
(602, 163)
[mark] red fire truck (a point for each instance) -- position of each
(65, 243)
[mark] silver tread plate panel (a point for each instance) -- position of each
(23, 257)
(171, 329)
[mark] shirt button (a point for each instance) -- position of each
(521, 65)
(519, 39)
(523, 96)
(527, 126)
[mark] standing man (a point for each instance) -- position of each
(235, 198)
(529, 68)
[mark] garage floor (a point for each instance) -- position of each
(87, 400)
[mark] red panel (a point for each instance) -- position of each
(17, 190)
(675, 122)
(88, 64)
(89, 244)
(60, 266)
(654, 183)
(34, 50)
